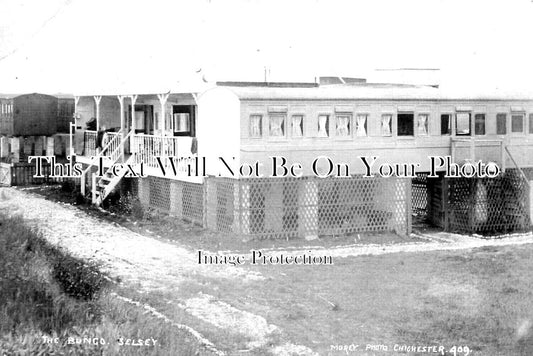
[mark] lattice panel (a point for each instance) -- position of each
(192, 196)
(460, 202)
(420, 195)
(182, 199)
(287, 208)
(490, 205)
(221, 204)
(159, 193)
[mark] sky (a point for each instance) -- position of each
(74, 46)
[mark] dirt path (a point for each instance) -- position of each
(156, 265)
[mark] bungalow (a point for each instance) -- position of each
(262, 157)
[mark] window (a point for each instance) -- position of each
(255, 126)
(446, 124)
(386, 120)
(323, 126)
(462, 124)
(406, 124)
(342, 125)
(360, 125)
(501, 124)
(517, 123)
(531, 123)
(297, 126)
(182, 122)
(423, 124)
(277, 126)
(479, 124)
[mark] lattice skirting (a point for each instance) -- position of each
(287, 207)
(485, 206)
(182, 199)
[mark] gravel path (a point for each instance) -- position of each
(127, 254)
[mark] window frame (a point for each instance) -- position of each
(427, 128)
(498, 115)
(261, 131)
(354, 131)
(484, 124)
(412, 113)
(522, 115)
(391, 131)
(450, 123)
(326, 127)
(469, 124)
(351, 124)
(302, 125)
(283, 125)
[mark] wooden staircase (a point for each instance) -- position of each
(102, 186)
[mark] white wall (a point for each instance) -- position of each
(218, 129)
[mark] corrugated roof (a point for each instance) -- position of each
(373, 92)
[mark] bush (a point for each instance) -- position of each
(127, 204)
(68, 186)
(78, 279)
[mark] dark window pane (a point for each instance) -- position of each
(531, 123)
(501, 124)
(462, 124)
(445, 124)
(517, 123)
(406, 124)
(479, 121)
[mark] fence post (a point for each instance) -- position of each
(205, 210)
(445, 204)
(308, 219)
(409, 204)
(472, 202)
(237, 204)
(529, 202)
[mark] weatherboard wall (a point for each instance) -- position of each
(393, 149)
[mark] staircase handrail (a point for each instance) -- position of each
(522, 174)
(101, 154)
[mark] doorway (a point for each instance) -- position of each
(144, 119)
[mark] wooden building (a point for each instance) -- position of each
(249, 123)
(35, 114)
(29, 115)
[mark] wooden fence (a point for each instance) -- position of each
(12, 174)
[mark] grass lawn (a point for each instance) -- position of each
(482, 299)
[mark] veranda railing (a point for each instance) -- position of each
(147, 148)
